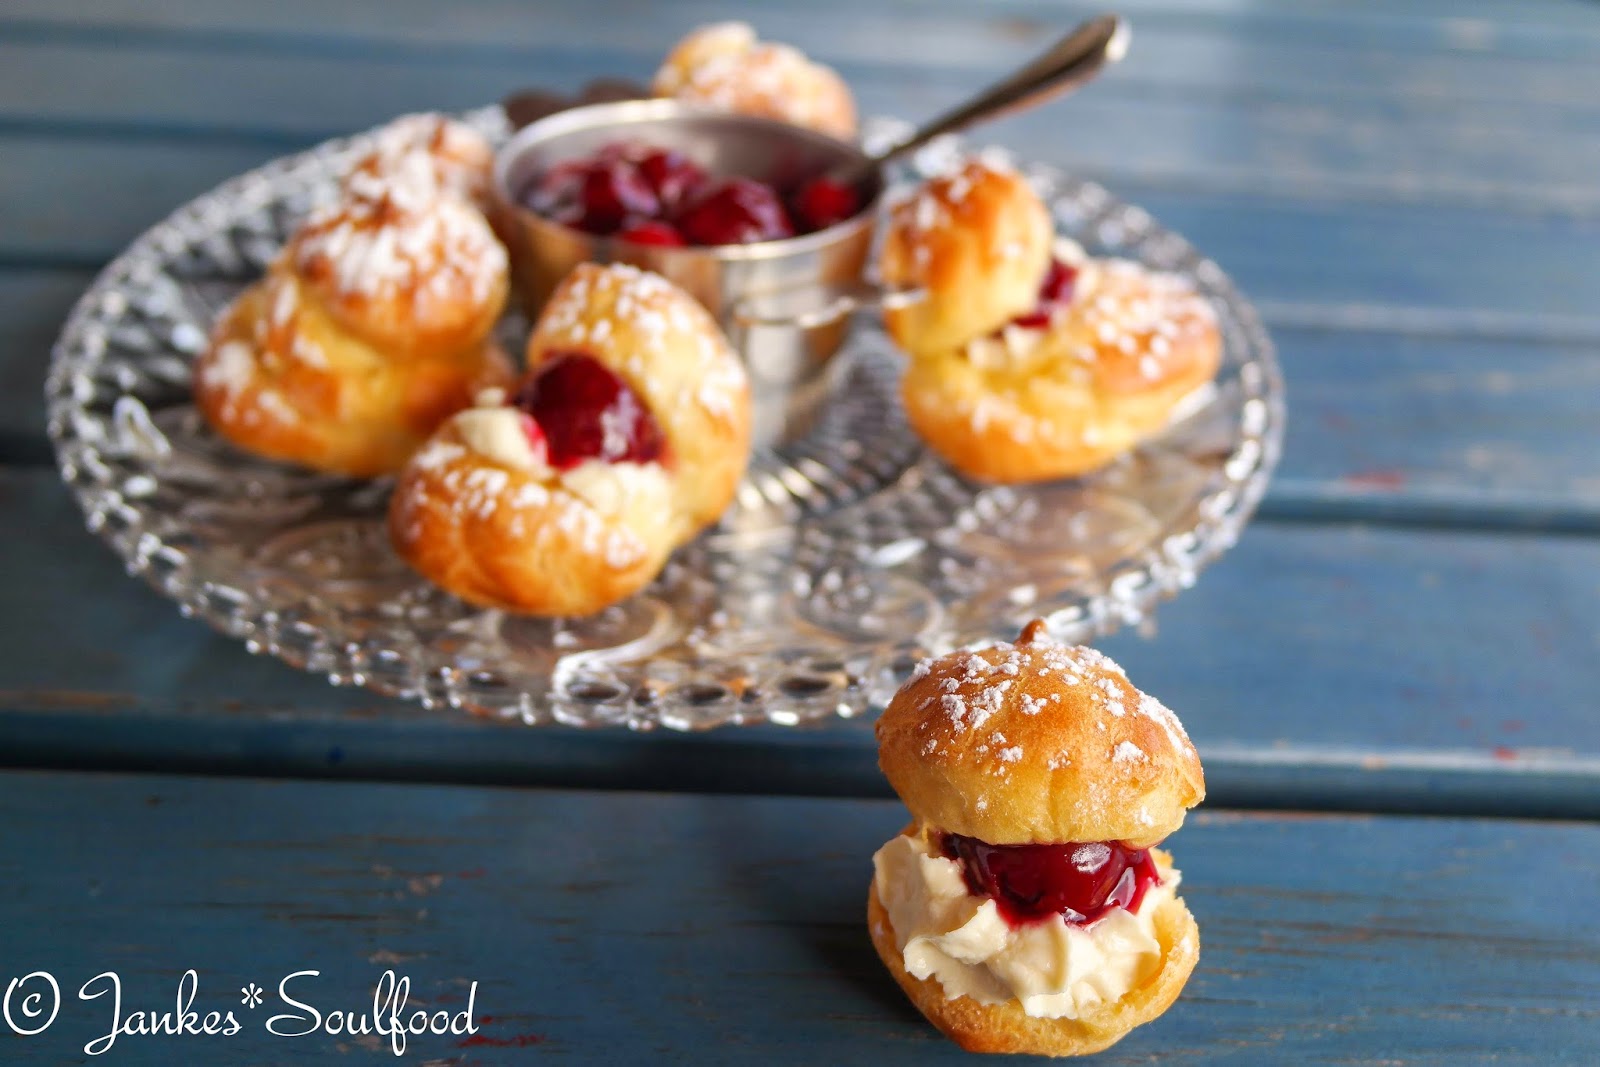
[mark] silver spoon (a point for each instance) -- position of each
(1068, 64)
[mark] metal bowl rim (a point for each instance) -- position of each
(635, 112)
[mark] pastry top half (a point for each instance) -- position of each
(404, 268)
(977, 242)
(1037, 742)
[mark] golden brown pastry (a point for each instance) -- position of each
(1029, 360)
(1069, 390)
(369, 330)
(426, 151)
(628, 435)
(725, 66)
(1026, 909)
(977, 242)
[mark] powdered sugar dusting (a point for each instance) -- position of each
(1128, 752)
(1135, 314)
(1162, 716)
(397, 243)
(230, 369)
(1090, 857)
(727, 66)
(637, 318)
(425, 154)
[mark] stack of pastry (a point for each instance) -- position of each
(374, 323)
(1028, 359)
(1026, 909)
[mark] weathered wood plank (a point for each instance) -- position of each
(68, 201)
(693, 929)
(1238, 134)
(33, 304)
(1476, 29)
(1348, 670)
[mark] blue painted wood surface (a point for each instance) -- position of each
(692, 929)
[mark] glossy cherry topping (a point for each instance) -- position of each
(659, 196)
(822, 202)
(735, 211)
(672, 175)
(1055, 290)
(1078, 881)
(652, 232)
(586, 412)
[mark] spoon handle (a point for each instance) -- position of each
(1069, 63)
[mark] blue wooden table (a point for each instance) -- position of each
(1409, 189)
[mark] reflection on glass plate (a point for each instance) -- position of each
(845, 557)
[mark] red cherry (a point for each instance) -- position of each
(823, 202)
(1055, 290)
(1079, 881)
(651, 232)
(1058, 282)
(735, 211)
(613, 190)
(587, 412)
(671, 175)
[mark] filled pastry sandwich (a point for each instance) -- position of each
(1030, 360)
(627, 436)
(1026, 908)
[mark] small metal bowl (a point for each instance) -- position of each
(789, 364)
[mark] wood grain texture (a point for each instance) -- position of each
(1456, 670)
(638, 928)
(1232, 112)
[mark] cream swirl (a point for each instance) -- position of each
(1056, 970)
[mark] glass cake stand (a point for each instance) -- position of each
(845, 558)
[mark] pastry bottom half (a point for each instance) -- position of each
(1007, 1028)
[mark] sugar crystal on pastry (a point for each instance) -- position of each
(1026, 909)
(725, 65)
(425, 155)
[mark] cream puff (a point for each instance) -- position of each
(725, 66)
(1030, 360)
(429, 151)
(1026, 908)
(370, 329)
(627, 436)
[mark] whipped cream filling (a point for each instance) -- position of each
(495, 432)
(1056, 970)
(638, 492)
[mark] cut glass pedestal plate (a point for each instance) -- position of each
(846, 556)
